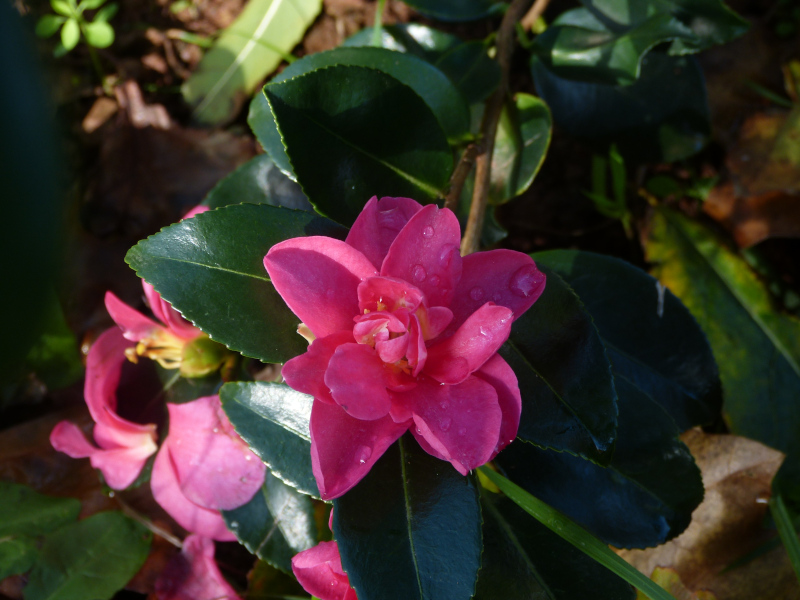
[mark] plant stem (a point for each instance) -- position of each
(377, 27)
(786, 530)
(506, 36)
(536, 11)
(460, 176)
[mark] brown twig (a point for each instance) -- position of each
(491, 117)
(460, 176)
(536, 11)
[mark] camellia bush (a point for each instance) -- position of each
(450, 421)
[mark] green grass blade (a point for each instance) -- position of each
(786, 531)
(577, 536)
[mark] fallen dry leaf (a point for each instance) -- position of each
(728, 525)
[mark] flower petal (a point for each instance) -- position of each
(306, 373)
(319, 570)
(356, 380)
(387, 294)
(501, 377)
(343, 449)
(193, 574)
(460, 422)
(317, 277)
(214, 467)
(505, 277)
(169, 316)
(478, 338)
(190, 516)
(68, 438)
(378, 224)
(426, 254)
(103, 370)
(135, 326)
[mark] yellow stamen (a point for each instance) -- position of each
(163, 347)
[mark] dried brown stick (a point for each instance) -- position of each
(491, 117)
(536, 11)
(460, 176)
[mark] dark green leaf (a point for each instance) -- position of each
(524, 559)
(263, 125)
(411, 529)
(757, 347)
(17, 555)
(273, 419)
(651, 338)
(709, 21)
(471, 70)
(568, 397)
(344, 150)
(258, 181)
(211, 269)
(276, 524)
(643, 498)
(458, 10)
(23, 511)
(93, 558)
(521, 143)
(419, 40)
(662, 117)
(106, 13)
(48, 25)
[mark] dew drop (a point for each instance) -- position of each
(476, 293)
(234, 525)
(427, 232)
(247, 457)
(434, 280)
(418, 273)
(444, 424)
(525, 281)
(215, 430)
(462, 431)
(363, 453)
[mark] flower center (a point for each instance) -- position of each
(163, 347)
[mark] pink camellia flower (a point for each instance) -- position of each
(407, 334)
(193, 574)
(319, 571)
(204, 467)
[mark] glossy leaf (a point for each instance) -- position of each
(524, 559)
(276, 524)
(249, 49)
(648, 491)
(273, 419)
(344, 150)
(414, 38)
(662, 117)
(471, 70)
(650, 336)
(568, 397)
(258, 181)
(458, 10)
(521, 143)
(93, 558)
(411, 529)
(757, 347)
(709, 21)
(211, 269)
(17, 555)
(23, 511)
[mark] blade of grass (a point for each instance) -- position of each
(786, 530)
(577, 536)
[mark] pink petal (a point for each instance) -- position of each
(393, 294)
(306, 373)
(103, 369)
(168, 315)
(193, 574)
(343, 449)
(391, 351)
(355, 378)
(417, 352)
(214, 467)
(319, 571)
(200, 208)
(378, 224)
(426, 254)
(505, 277)
(435, 321)
(460, 422)
(68, 438)
(190, 516)
(501, 377)
(116, 432)
(135, 326)
(318, 277)
(478, 338)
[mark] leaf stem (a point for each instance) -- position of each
(460, 176)
(377, 27)
(786, 530)
(491, 118)
(577, 536)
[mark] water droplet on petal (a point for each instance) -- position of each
(363, 453)
(215, 430)
(434, 280)
(476, 293)
(462, 431)
(427, 232)
(247, 457)
(525, 281)
(444, 424)
(418, 273)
